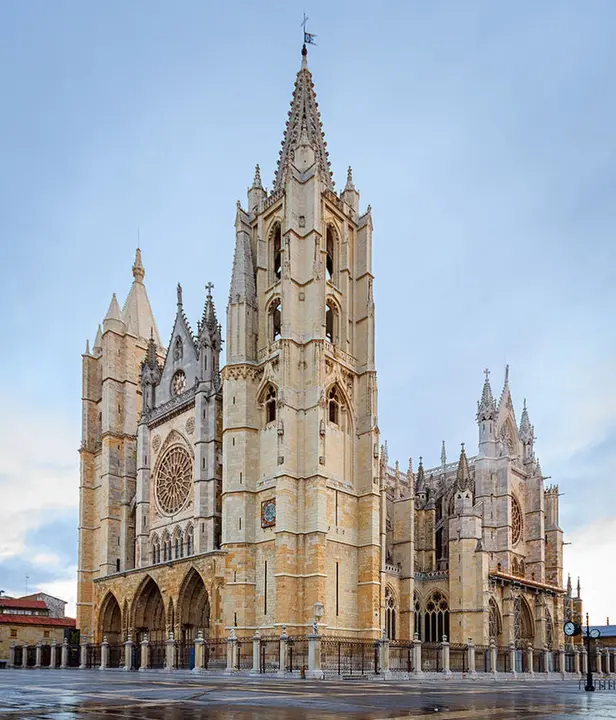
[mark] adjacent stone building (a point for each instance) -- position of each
(239, 497)
(31, 619)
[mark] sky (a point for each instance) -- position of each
(483, 135)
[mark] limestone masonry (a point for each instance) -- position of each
(238, 497)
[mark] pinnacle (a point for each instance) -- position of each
(138, 269)
(486, 407)
(114, 312)
(443, 455)
(209, 319)
(349, 183)
(463, 476)
(256, 183)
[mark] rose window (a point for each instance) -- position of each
(516, 521)
(178, 383)
(173, 480)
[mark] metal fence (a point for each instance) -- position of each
(297, 654)
(431, 657)
(93, 656)
(401, 656)
(503, 659)
(215, 655)
(115, 657)
(458, 658)
(483, 659)
(349, 657)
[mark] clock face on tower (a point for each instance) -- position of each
(268, 513)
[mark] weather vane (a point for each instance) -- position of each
(308, 37)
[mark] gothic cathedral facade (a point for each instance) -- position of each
(237, 497)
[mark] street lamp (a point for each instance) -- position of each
(318, 614)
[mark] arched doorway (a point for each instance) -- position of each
(193, 610)
(149, 612)
(110, 620)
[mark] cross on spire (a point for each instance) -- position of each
(209, 287)
(486, 372)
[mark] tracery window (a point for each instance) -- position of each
(178, 383)
(516, 521)
(333, 401)
(494, 621)
(173, 480)
(390, 614)
(436, 618)
(270, 404)
(522, 623)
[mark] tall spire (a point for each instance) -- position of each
(526, 429)
(243, 286)
(486, 407)
(443, 456)
(137, 311)
(303, 128)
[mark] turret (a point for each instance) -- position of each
(527, 436)
(256, 193)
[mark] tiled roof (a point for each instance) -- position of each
(41, 620)
(23, 604)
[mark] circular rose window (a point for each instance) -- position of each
(516, 521)
(173, 480)
(178, 383)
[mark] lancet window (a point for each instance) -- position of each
(390, 614)
(436, 618)
(275, 320)
(277, 252)
(331, 322)
(333, 404)
(270, 404)
(330, 254)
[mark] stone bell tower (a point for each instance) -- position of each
(300, 435)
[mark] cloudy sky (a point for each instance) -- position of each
(483, 135)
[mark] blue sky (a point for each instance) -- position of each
(482, 134)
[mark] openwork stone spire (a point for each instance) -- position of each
(527, 432)
(304, 127)
(486, 407)
(209, 319)
(463, 475)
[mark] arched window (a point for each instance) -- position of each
(494, 621)
(189, 541)
(522, 622)
(270, 404)
(177, 548)
(275, 315)
(181, 547)
(516, 521)
(178, 383)
(390, 614)
(165, 557)
(333, 403)
(277, 253)
(436, 618)
(331, 322)
(330, 249)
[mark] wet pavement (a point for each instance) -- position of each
(80, 694)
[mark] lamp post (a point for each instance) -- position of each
(318, 614)
(594, 634)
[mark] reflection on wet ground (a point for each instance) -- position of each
(80, 694)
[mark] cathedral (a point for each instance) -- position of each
(239, 497)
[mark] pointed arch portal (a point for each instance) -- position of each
(110, 620)
(193, 607)
(149, 612)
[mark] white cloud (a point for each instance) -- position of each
(64, 589)
(46, 558)
(591, 557)
(39, 473)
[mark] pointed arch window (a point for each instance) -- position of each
(330, 247)
(436, 618)
(331, 322)
(275, 320)
(333, 405)
(417, 615)
(277, 253)
(270, 405)
(189, 541)
(494, 621)
(390, 614)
